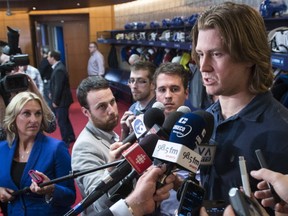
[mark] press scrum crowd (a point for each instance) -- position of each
(231, 50)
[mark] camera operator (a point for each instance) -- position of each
(13, 81)
(35, 76)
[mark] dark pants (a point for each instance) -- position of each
(66, 129)
(46, 93)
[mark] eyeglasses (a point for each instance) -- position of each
(137, 81)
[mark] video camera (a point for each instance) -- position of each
(13, 82)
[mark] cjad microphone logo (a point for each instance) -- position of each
(139, 126)
(182, 130)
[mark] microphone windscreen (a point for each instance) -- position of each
(153, 116)
(170, 120)
(189, 130)
(148, 144)
(158, 105)
(209, 124)
(184, 109)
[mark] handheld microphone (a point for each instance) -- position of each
(187, 133)
(184, 109)
(73, 174)
(206, 148)
(159, 105)
(164, 131)
(139, 156)
(151, 117)
(22, 191)
(209, 124)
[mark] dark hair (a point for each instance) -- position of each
(88, 84)
(55, 54)
(244, 37)
(173, 69)
(144, 65)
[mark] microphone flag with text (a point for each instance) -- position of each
(207, 148)
(144, 121)
(187, 132)
(138, 156)
(191, 194)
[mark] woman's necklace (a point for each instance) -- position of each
(24, 154)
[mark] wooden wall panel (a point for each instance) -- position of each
(100, 18)
(19, 20)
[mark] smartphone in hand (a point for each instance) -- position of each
(191, 199)
(36, 177)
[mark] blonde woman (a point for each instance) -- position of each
(28, 148)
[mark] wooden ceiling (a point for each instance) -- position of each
(28, 5)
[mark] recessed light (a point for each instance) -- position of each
(34, 8)
(78, 4)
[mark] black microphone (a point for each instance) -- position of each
(164, 131)
(121, 190)
(137, 156)
(206, 149)
(151, 117)
(188, 132)
(22, 191)
(209, 124)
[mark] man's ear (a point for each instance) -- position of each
(186, 93)
(86, 112)
(152, 87)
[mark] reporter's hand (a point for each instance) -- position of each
(115, 152)
(163, 192)
(5, 194)
(49, 189)
(280, 184)
(203, 212)
(125, 123)
(143, 200)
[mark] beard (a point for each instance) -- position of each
(108, 125)
(140, 96)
